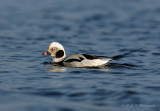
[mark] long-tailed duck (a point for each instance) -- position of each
(78, 60)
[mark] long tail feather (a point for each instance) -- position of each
(123, 55)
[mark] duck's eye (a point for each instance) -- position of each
(53, 49)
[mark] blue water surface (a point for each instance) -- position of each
(99, 27)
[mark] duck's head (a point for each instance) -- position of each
(57, 50)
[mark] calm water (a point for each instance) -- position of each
(100, 27)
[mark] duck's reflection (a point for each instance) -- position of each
(57, 69)
(51, 67)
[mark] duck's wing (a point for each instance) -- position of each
(83, 60)
(74, 58)
(81, 57)
(91, 57)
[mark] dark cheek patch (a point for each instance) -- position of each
(59, 54)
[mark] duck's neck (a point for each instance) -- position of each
(59, 59)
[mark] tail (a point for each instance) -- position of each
(123, 55)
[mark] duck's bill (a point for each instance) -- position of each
(46, 53)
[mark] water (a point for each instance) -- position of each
(99, 27)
